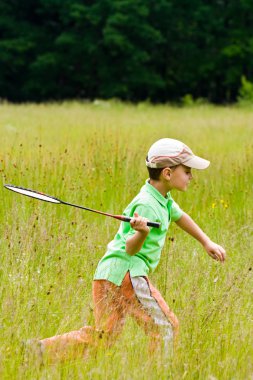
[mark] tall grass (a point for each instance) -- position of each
(94, 154)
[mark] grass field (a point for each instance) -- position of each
(94, 155)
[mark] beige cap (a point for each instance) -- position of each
(170, 152)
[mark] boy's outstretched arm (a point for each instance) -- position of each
(214, 250)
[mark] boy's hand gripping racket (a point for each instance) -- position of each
(49, 198)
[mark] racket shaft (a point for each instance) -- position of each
(119, 217)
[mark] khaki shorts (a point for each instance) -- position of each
(137, 298)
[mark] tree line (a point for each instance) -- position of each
(133, 50)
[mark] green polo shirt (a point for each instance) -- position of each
(151, 204)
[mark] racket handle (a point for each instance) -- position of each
(154, 224)
(150, 224)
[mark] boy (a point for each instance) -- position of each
(121, 286)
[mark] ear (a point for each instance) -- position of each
(167, 173)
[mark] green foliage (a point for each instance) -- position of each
(188, 101)
(245, 97)
(128, 49)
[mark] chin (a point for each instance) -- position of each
(181, 188)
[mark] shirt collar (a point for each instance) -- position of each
(156, 194)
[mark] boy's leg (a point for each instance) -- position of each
(153, 313)
(109, 317)
(69, 345)
(165, 308)
(109, 309)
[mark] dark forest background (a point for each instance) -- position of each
(133, 50)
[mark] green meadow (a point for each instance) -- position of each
(93, 154)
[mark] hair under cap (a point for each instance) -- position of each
(170, 152)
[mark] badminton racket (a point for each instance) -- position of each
(49, 198)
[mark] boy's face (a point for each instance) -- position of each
(180, 178)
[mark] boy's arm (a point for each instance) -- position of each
(214, 250)
(135, 242)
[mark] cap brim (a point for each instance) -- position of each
(196, 162)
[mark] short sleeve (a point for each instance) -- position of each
(176, 212)
(146, 212)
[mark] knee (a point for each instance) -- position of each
(174, 323)
(106, 338)
(86, 334)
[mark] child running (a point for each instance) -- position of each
(121, 286)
